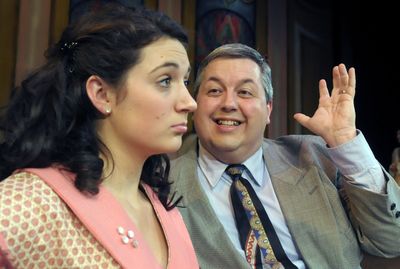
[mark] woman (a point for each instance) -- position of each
(85, 178)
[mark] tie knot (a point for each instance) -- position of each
(235, 171)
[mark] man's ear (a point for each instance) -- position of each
(99, 93)
(270, 105)
(269, 108)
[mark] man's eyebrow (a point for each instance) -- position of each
(243, 81)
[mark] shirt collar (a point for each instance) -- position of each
(213, 169)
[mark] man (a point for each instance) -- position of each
(327, 197)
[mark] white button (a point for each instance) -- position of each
(120, 230)
(125, 240)
(131, 234)
(135, 243)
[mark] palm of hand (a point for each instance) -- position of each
(334, 119)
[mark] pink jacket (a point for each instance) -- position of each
(52, 224)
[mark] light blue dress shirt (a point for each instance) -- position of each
(354, 159)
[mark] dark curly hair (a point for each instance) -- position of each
(50, 119)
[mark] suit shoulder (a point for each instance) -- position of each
(297, 142)
(300, 150)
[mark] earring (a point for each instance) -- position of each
(107, 109)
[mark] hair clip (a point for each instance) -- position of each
(67, 49)
(68, 46)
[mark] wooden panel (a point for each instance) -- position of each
(151, 4)
(261, 33)
(310, 56)
(189, 23)
(172, 8)
(33, 36)
(277, 58)
(8, 32)
(59, 19)
(261, 26)
(309, 66)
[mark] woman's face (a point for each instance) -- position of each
(149, 113)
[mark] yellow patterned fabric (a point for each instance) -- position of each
(256, 225)
(40, 231)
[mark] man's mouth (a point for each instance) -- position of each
(228, 122)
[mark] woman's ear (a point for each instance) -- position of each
(99, 93)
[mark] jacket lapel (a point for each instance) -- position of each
(305, 206)
(101, 215)
(208, 235)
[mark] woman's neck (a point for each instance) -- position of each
(122, 178)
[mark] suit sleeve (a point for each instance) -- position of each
(376, 217)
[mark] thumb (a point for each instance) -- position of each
(301, 118)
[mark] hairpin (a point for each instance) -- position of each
(67, 49)
(68, 46)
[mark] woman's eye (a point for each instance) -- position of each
(166, 82)
(187, 82)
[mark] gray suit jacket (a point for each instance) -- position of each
(329, 227)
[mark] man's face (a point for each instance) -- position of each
(232, 110)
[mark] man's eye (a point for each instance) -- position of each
(245, 93)
(214, 91)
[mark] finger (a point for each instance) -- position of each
(335, 80)
(323, 88)
(352, 80)
(301, 118)
(344, 78)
